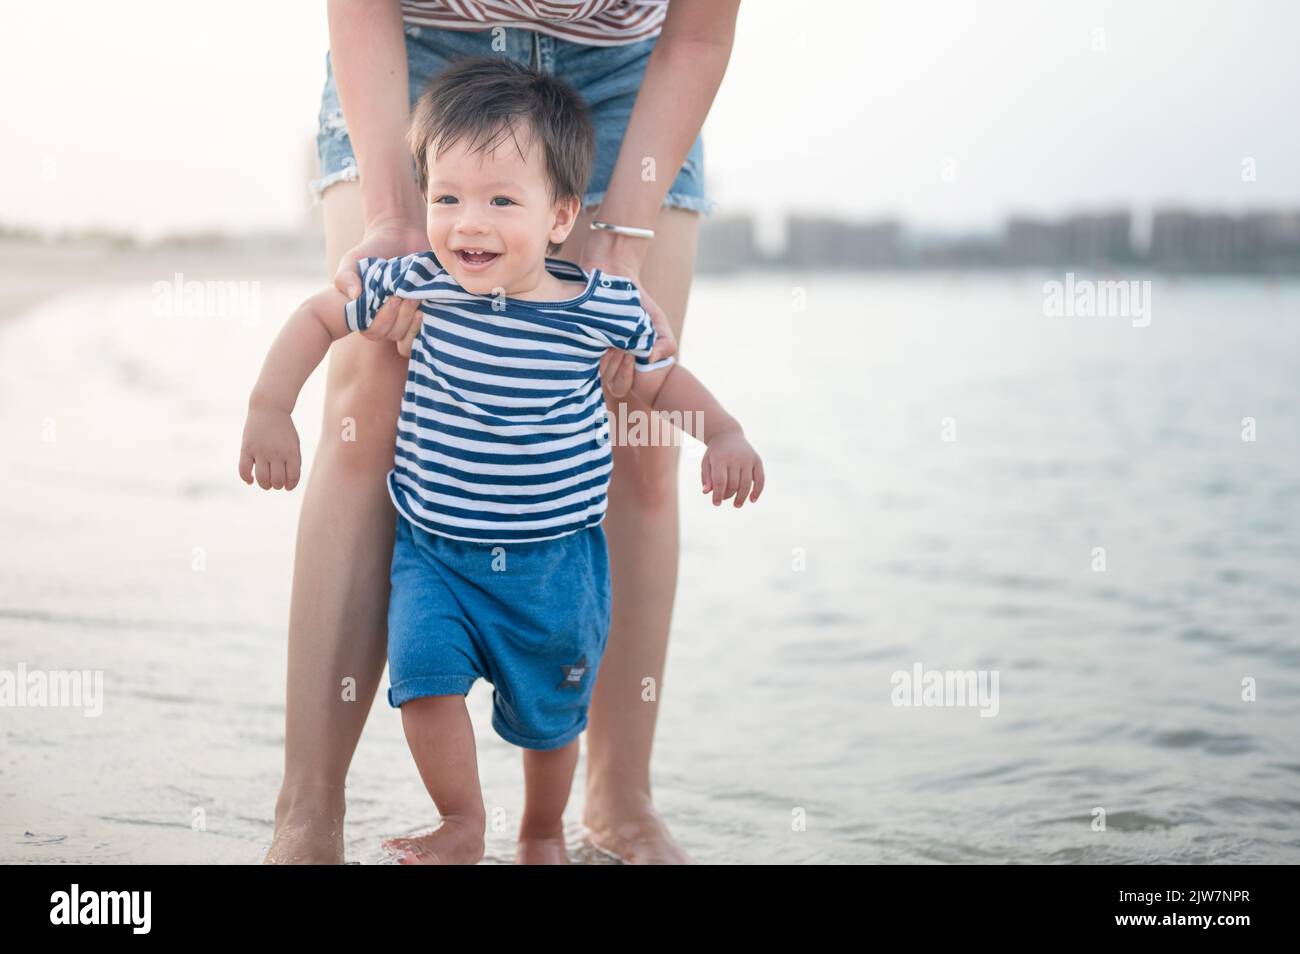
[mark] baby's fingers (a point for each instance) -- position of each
(718, 480)
(733, 481)
(277, 473)
(292, 471)
(263, 473)
(759, 480)
(246, 465)
(742, 487)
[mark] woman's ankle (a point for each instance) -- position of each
(307, 802)
(619, 794)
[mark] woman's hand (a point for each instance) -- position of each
(398, 318)
(618, 368)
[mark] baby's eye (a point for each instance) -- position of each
(438, 200)
(503, 199)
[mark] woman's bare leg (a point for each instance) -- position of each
(641, 527)
(338, 614)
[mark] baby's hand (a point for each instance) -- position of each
(271, 445)
(729, 467)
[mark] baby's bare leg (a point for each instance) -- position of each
(548, 779)
(441, 738)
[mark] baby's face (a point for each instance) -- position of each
(494, 203)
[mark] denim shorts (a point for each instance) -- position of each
(607, 77)
(530, 618)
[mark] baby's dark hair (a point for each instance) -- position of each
(486, 99)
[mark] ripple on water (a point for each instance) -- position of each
(1004, 773)
(1199, 634)
(1208, 742)
(1121, 821)
(1243, 805)
(820, 652)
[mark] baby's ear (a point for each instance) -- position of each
(566, 218)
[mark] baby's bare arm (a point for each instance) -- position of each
(299, 349)
(730, 466)
(270, 447)
(675, 389)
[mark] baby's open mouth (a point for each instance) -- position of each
(476, 258)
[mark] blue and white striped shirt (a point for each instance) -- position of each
(503, 435)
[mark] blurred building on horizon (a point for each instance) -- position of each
(1181, 240)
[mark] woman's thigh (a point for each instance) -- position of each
(365, 379)
(428, 52)
(646, 476)
(607, 77)
(669, 263)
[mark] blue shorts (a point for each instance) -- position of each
(530, 618)
(607, 78)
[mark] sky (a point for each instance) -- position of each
(151, 117)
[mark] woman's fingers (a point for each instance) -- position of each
(617, 369)
(384, 318)
(665, 339)
(407, 326)
(346, 279)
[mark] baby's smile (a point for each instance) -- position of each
(476, 259)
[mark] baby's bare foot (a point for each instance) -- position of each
(455, 842)
(541, 849)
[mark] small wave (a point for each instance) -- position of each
(1207, 742)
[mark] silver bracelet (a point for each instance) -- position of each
(624, 229)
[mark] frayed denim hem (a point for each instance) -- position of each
(318, 186)
(676, 200)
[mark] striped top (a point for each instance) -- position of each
(593, 22)
(503, 434)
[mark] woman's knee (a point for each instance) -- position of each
(363, 397)
(645, 478)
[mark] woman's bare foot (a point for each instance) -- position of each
(455, 842)
(636, 835)
(306, 845)
(542, 848)
(308, 834)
